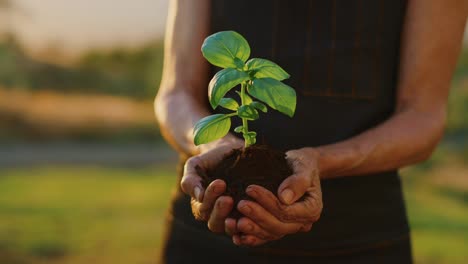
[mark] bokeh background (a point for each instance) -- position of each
(85, 176)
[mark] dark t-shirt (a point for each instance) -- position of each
(343, 58)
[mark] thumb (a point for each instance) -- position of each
(191, 181)
(294, 187)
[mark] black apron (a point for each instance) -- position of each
(343, 58)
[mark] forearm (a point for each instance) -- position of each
(406, 138)
(177, 112)
(430, 45)
(180, 102)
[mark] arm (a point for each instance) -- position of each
(180, 103)
(430, 44)
(181, 96)
(181, 99)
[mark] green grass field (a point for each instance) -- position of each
(116, 215)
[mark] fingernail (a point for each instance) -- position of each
(216, 189)
(287, 196)
(246, 239)
(251, 192)
(197, 191)
(246, 209)
(236, 240)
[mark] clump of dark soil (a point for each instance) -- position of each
(257, 164)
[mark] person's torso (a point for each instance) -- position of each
(342, 56)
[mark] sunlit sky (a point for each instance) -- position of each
(75, 25)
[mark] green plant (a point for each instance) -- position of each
(258, 78)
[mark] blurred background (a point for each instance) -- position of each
(85, 176)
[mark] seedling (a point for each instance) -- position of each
(258, 79)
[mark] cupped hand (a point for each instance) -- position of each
(209, 205)
(298, 207)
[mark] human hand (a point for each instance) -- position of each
(298, 207)
(208, 205)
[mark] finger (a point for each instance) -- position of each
(191, 181)
(295, 186)
(305, 211)
(270, 202)
(195, 205)
(221, 210)
(306, 228)
(213, 191)
(308, 210)
(248, 227)
(266, 220)
(230, 226)
(251, 241)
(236, 240)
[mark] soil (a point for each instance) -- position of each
(257, 164)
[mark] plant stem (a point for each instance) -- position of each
(245, 125)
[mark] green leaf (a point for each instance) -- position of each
(222, 82)
(211, 128)
(229, 103)
(247, 98)
(262, 68)
(238, 129)
(260, 106)
(247, 112)
(275, 94)
(226, 49)
(250, 137)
